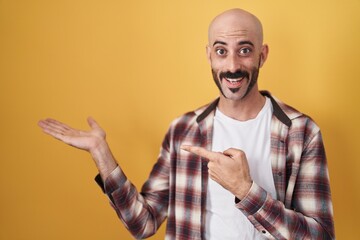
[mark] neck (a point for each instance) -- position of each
(243, 109)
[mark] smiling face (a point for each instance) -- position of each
(236, 53)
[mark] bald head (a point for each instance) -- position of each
(235, 22)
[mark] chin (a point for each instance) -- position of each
(236, 94)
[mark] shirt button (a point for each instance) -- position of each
(263, 231)
(279, 174)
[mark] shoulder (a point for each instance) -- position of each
(185, 128)
(281, 108)
(302, 125)
(297, 118)
(188, 119)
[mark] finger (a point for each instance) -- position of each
(234, 153)
(214, 177)
(92, 123)
(202, 152)
(47, 127)
(211, 165)
(57, 132)
(54, 133)
(57, 129)
(41, 123)
(53, 127)
(52, 123)
(58, 123)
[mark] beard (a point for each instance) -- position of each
(250, 77)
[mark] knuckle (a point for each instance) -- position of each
(239, 154)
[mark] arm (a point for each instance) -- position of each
(93, 141)
(309, 212)
(142, 213)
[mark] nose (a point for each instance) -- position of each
(233, 63)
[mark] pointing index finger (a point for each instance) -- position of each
(202, 152)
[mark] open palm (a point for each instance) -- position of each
(85, 140)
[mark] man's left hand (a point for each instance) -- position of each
(230, 168)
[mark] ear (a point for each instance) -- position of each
(264, 53)
(208, 53)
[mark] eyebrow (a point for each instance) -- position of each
(239, 43)
(219, 42)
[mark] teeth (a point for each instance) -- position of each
(233, 80)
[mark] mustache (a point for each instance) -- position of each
(238, 74)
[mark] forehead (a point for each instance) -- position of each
(235, 28)
(232, 35)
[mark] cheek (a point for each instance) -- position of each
(215, 74)
(216, 61)
(247, 64)
(254, 62)
(216, 71)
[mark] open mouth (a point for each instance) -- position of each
(233, 82)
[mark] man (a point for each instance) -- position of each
(246, 166)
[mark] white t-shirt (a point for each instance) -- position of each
(223, 219)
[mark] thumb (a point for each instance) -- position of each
(92, 123)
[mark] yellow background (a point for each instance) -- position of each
(136, 65)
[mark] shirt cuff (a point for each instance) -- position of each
(115, 180)
(237, 200)
(253, 201)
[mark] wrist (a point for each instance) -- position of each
(244, 190)
(103, 158)
(99, 148)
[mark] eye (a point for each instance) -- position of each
(245, 51)
(220, 51)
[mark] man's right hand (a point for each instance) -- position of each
(86, 140)
(92, 141)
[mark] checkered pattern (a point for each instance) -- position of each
(176, 188)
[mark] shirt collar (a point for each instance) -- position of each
(278, 112)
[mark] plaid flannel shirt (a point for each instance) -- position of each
(177, 185)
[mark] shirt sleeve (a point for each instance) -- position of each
(115, 180)
(141, 212)
(309, 214)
